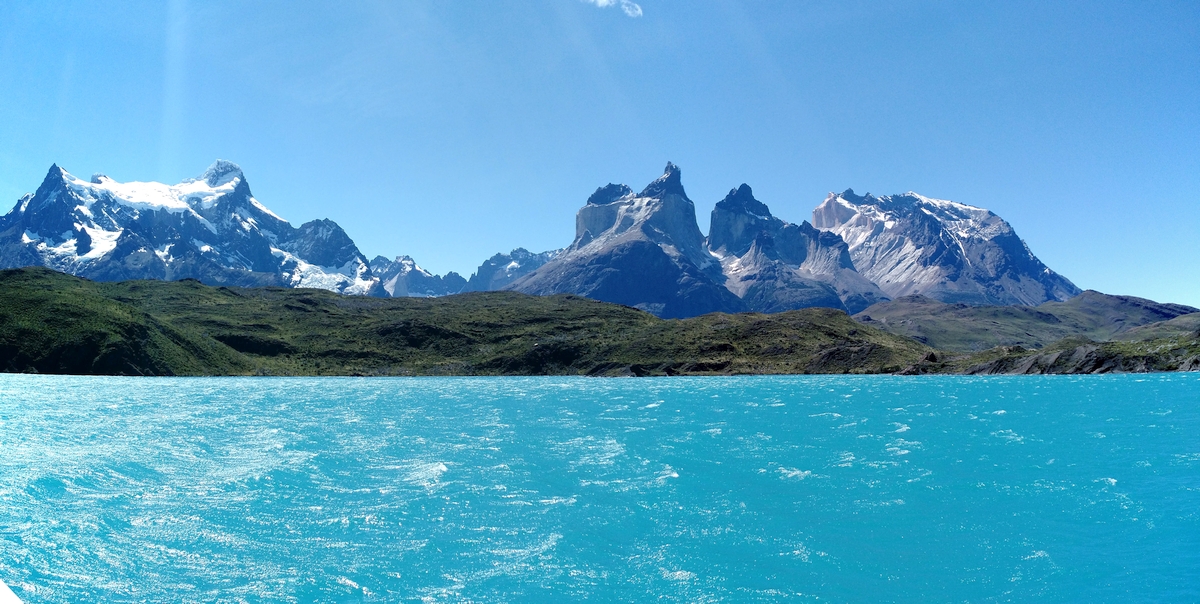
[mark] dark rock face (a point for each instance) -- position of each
(321, 242)
(402, 277)
(642, 250)
(209, 228)
(775, 266)
(608, 194)
(767, 284)
(502, 269)
(638, 273)
(737, 220)
(910, 244)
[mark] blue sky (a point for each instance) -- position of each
(452, 130)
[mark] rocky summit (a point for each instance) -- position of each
(911, 244)
(773, 265)
(642, 250)
(209, 228)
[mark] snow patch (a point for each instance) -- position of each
(103, 242)
(164, 252)
(346, 279)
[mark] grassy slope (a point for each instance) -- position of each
(1179, 327)
(51, 323)
(961, 328)
(154, 327)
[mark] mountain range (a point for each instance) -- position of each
(642, 249)
(209, 228)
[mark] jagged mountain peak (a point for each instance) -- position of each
(774, 265)
(55, 176)
(742, 199)
(737, 219)
(403, 277)
(642, 250)
(500, 270)
(220, 172)
(662, 212)
(609, 193)
(670, 183)
(647, 251)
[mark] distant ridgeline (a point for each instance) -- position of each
(643, 250)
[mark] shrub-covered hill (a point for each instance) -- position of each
(963, 328)
(55, 323)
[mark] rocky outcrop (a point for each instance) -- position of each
(209, 228)
(910, 244)
(773, 265)
(1091, 357)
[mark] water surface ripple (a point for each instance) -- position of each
(744, 489)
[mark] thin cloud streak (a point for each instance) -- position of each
(629, 7)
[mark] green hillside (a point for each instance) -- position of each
(56, 323)
(1179, 327)
(962, 328)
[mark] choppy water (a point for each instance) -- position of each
(548, 489)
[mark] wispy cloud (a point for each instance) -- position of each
(631, 8)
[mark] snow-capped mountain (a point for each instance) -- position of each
(910, 244)
(404, 277)
(773, 265)
(209, 228)
(642, 250)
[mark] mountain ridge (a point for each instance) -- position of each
(643, 249)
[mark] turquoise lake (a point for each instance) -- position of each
(742, 489)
